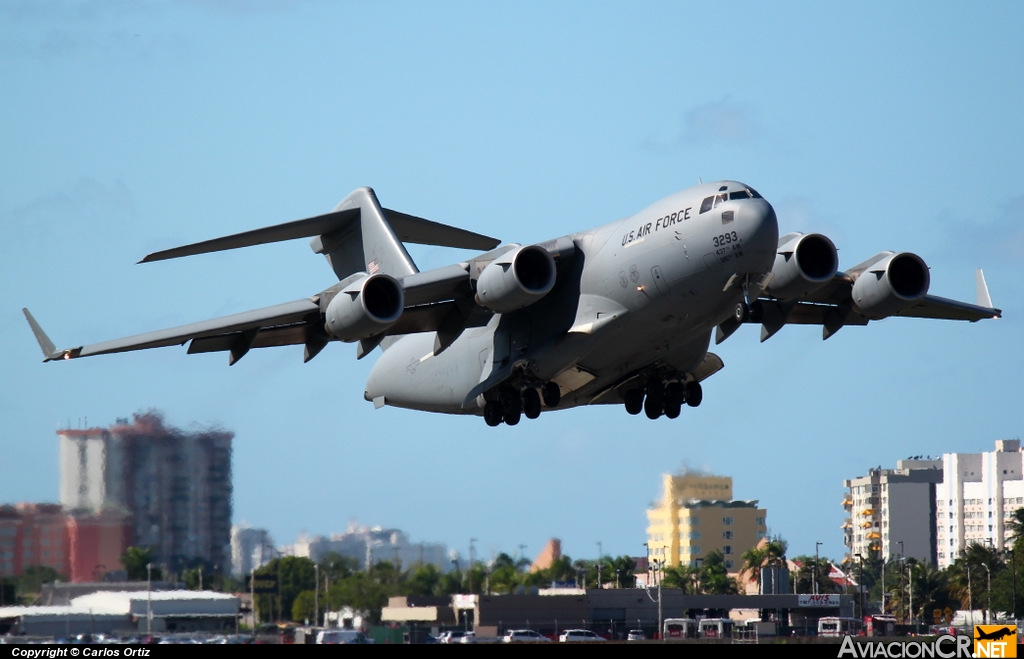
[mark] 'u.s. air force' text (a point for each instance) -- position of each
(661, 223)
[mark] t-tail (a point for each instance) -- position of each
(357, 236)
(363, 243)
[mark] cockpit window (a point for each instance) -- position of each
(715, 200)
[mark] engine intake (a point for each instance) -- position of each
(368, 305)
(803, 264)
(516, 279)
(891, 284)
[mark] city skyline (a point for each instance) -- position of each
(136, 128)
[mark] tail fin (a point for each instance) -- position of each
(358, 236)
(369, 245)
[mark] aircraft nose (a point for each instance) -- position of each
(756, 218)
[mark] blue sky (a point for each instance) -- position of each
(129, 127)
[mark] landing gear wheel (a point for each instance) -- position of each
(752, 313)
(552, 394)
(694, 394)
(672, 409)
(492, 413)
(634, 399)
(512, 418)
(531, 403)
(675, 392)
(511, 401)
(756, 314)
(652, 407)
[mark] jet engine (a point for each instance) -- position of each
(516, 279)
(890, 284)
(803, 264)
(368, 305)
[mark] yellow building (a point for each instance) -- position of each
(697, 515)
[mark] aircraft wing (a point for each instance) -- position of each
(283, 324)
(435, 300)
(832, 307)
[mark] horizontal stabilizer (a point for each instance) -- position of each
(408, 228)
(312, 226)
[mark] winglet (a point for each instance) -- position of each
(984, 299)
(50, 351)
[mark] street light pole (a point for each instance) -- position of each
(149, 598)
(814, 572)
(860, 583)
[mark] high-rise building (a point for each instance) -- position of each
(891, 512)
(368, 545)
(978, 494)
(173, 487)
(251, 549)
(697, 515)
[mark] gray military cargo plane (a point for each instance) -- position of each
(623, 313)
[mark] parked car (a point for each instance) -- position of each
(452, 636)
(579, 635)
(524, 636)
(636, 635)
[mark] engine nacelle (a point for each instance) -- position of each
(516, 279)
(890, 284)
(803, 264)
(368, 305)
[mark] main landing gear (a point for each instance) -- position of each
(660, 397)
(512, 403)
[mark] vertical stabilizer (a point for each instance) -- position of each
(367, 245)
(984, 299)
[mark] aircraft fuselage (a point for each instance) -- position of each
(639, 293)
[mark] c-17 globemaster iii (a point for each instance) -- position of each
(623, 313)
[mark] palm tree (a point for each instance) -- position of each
(682, 577)
(970, 573)
(1016, 527)
(925, 589)
(768, 552)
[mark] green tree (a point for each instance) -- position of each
(1015, 525)
(926, 589)
(334, 566)
(623, 571)
(422, 581)
(304, 607)
(29, 584)
(813, 573)
(561, 569)
(362, 592)
(771, 552)
(682, 577)
(504, 576)
(713, 577)
(969, 574)
(294, 575)
(135, 560)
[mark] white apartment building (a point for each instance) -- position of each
(978, 494)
